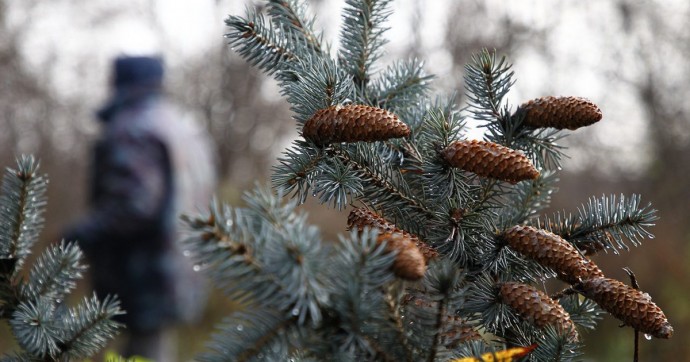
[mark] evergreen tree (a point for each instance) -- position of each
(33, 302)
(448, 245)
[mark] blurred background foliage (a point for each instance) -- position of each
(630, 57)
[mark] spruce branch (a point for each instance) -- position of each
(362, 37)
(552, 345)
(356, 298)
(483, 303)
(384, 186)
(249, 335)
(290, 16)
(438, 129)
(365, 266)
(462, 227)
(605, 223)
(55, 273)
(265, 254)
(394, 309)
(297, 170)
(400, 85)
(315, 83)
(366, 261)
(220, 248)
(17, 357)
(89, 327)
(504, 263)
(338, 184)
(35, 328)
(265, 206)
(352, 292)
(465, 204)
(342, 172)
(487, 82)
(528, 198)
(636, 338)
(296, 260)
(583, 312)
(444, 286)
(258, 43)
(405, 154)
(21, 217)
(440, 126)
(44, 328)
(473, 350)
(541, 146)
(439, 323)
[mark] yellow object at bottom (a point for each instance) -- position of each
(506, 355)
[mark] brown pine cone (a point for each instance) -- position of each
(489, 160)
(353, 123)
(537, 308)
(635, 308)
(360, 217)
(409, 263)
(551, 251)
(560, 112)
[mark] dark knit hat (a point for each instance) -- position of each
(133, 79)
(137, 71)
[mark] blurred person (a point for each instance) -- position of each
(149, 165)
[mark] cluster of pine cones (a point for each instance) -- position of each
(361, 123)
(633, 307)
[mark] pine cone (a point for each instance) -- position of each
(551, 251)
(628, 304)
(560, 112)
(409, 263)
(359, 218)
(353, 123)
(489, 160)
(537, 308)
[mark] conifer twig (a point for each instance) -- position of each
(440, 316)
(394, 310)
(289, 13)
(381, 182)
(255, 348)
(633, 282)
